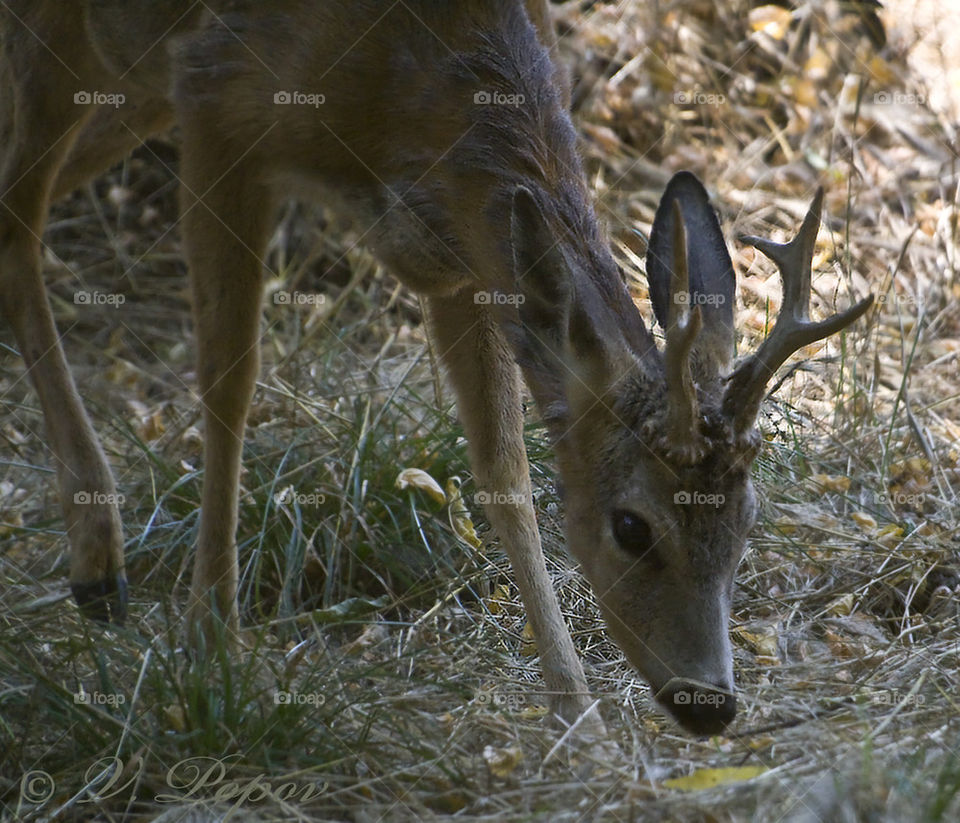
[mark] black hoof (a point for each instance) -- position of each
(104, 601)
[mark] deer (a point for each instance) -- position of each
(442, 131)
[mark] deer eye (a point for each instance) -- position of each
(634, 536)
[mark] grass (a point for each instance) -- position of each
(387, 674)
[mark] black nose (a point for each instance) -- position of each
(701, 708)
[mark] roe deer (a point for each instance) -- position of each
(440, 129)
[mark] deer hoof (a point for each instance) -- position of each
(103, 600)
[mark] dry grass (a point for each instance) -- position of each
(424, 701)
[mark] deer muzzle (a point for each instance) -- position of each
(701, 708)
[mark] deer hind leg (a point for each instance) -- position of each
(225, 228)
(487, 384)
(107, 137)
(39, 125)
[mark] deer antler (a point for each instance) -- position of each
(793, 329)
(683, 437)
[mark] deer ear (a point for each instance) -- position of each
(568, 336)
(712, 281)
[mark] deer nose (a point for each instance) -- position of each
(701, 708)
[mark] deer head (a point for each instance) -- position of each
(655, 448)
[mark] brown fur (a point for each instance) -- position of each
(457, 196)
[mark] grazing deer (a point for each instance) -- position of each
(441, 130)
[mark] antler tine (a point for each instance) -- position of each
(793, 329)
(683, 437)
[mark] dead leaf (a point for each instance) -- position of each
(761, 641)
(841, 606)
(818, 66)
(176, 718)
(151, 427)
(502, 762)
(419, 479)
(709, 778)
(774, 21)
(866, 523)
(890, 535)
(842, 647)
(459, 515)
(372, 635)
(804, 92)
(500, 599)
(534, 712)
(528, 648)
(881, 72)
(832, 482)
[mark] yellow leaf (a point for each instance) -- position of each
(463, 526)
(708, 778)
(864, 521)
(460, 520)
(528, 647)
(773, 21)
(881, 72)
(151, 427)
(841, 606)
(175, 717)
(817, 67)
(841, 647)
(419, 479)
(499, 599)
(763, 642)
(502, 762)
(534, 712)
(832, 482)
(804, 92)
(122, 372)
(890, 535)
